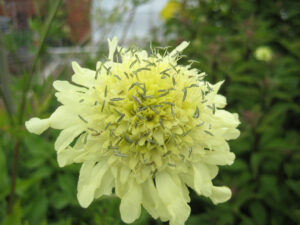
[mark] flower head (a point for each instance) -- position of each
(171, 8)
(263, 53)
(145, 129)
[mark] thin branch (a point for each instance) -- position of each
(4, 81)
(14, 177)
(36, 59)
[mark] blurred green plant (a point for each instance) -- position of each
(226, 37)
(33, 190)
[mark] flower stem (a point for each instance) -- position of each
(49, 20)
(13, 179)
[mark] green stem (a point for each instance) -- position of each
(24, 100)
(36, 59)
(14, 176)
(4, 81)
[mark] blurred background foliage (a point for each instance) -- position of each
(253, 45)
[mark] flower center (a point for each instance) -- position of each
(145, 109)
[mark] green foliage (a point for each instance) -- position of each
(224, 36)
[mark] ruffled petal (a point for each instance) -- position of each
(130, 207)
(202, 179)
(63, 118)
(67, 136)
(89, 180)
(227, 119)
(83, 76)
(172, 198)
(220, 101)
(105, 185)
(36, 125)
(70, 155)
(231, 134)
(218, 158)
(179, 48)
(150, 198)
(220, 194)
(112, 45)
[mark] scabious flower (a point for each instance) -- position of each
(263, 53)
(145, 129)
(171, 8)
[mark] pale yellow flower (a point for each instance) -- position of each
(146, 128)
(171, 8)
(263, 53)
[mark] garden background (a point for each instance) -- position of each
(254, 45)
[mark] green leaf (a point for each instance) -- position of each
(258, 212)
(15, 217)
(3, 169)
(255, 161)
(37, 209)
(294, 186)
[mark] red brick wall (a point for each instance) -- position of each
(78, 19)
(78, 15)
(18, 11)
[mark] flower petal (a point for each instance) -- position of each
(105, 185)
(67, 136)
(172, 198)
(220, 194)
(150, 198)
(36, 125)
(69, 155)
(83, 76)
(218, 158)
(202, 179)
(63, 118)
(179, 48)
(89, 179)
(130, 207)
(220, 101)
(112, 45)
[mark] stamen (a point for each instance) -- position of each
(166, 154)
(184, 94)
(131, 65)
(127, 138)
(174, 140)
(209, 133)
(116, 99)
(200, 124)
(107, 125)
(173, 81)
(141, 117)
(105, 91)
(136, 99)
(172, 111)
(84, 120)
(153, 109)
(103, 104)
(85, 138)
(190, 151)
(161, 123)
(168, 103)
(196, 114)
(119, 154)
(186, 133)
(117, 76)
(126, 74)
(212, 107)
